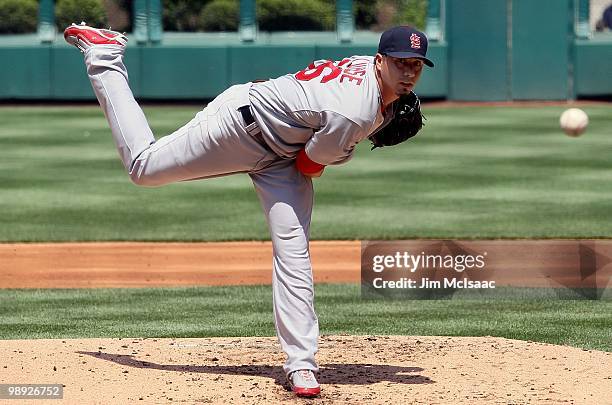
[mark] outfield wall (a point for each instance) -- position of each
(201, 72)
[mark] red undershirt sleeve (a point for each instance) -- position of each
(305, 165)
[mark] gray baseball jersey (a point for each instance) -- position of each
(326, 108)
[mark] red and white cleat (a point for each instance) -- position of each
(304, 384)
(84, 37)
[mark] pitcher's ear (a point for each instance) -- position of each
(378, 58)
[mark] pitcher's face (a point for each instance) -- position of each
(399, 74)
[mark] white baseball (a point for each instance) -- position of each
(574, 121)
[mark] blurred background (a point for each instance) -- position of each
(484, 50)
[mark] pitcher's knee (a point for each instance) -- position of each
(142, 174)
(292, 241)
(147, 180)
(294, 233)
(144, 181)
(141, 177)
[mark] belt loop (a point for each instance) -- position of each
(253, 129)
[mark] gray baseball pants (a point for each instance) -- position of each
(216, 143)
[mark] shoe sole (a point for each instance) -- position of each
(306, 392)
(83, 45)
(75, 41)
(99, 32)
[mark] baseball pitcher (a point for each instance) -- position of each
(281, 132)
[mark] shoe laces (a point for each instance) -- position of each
(306, 375)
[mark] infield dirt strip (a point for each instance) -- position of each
(134, 264)
(354, 369)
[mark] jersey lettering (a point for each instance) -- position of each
(333, 70)
(357, 80)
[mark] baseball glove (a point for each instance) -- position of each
(407, 121)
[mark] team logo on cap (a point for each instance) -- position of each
(415, 41)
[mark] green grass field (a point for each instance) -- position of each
(474, 172)
(247, 311)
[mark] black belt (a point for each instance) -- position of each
(247, 117)
(250, 125)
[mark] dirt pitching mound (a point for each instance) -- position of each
(354, 369)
